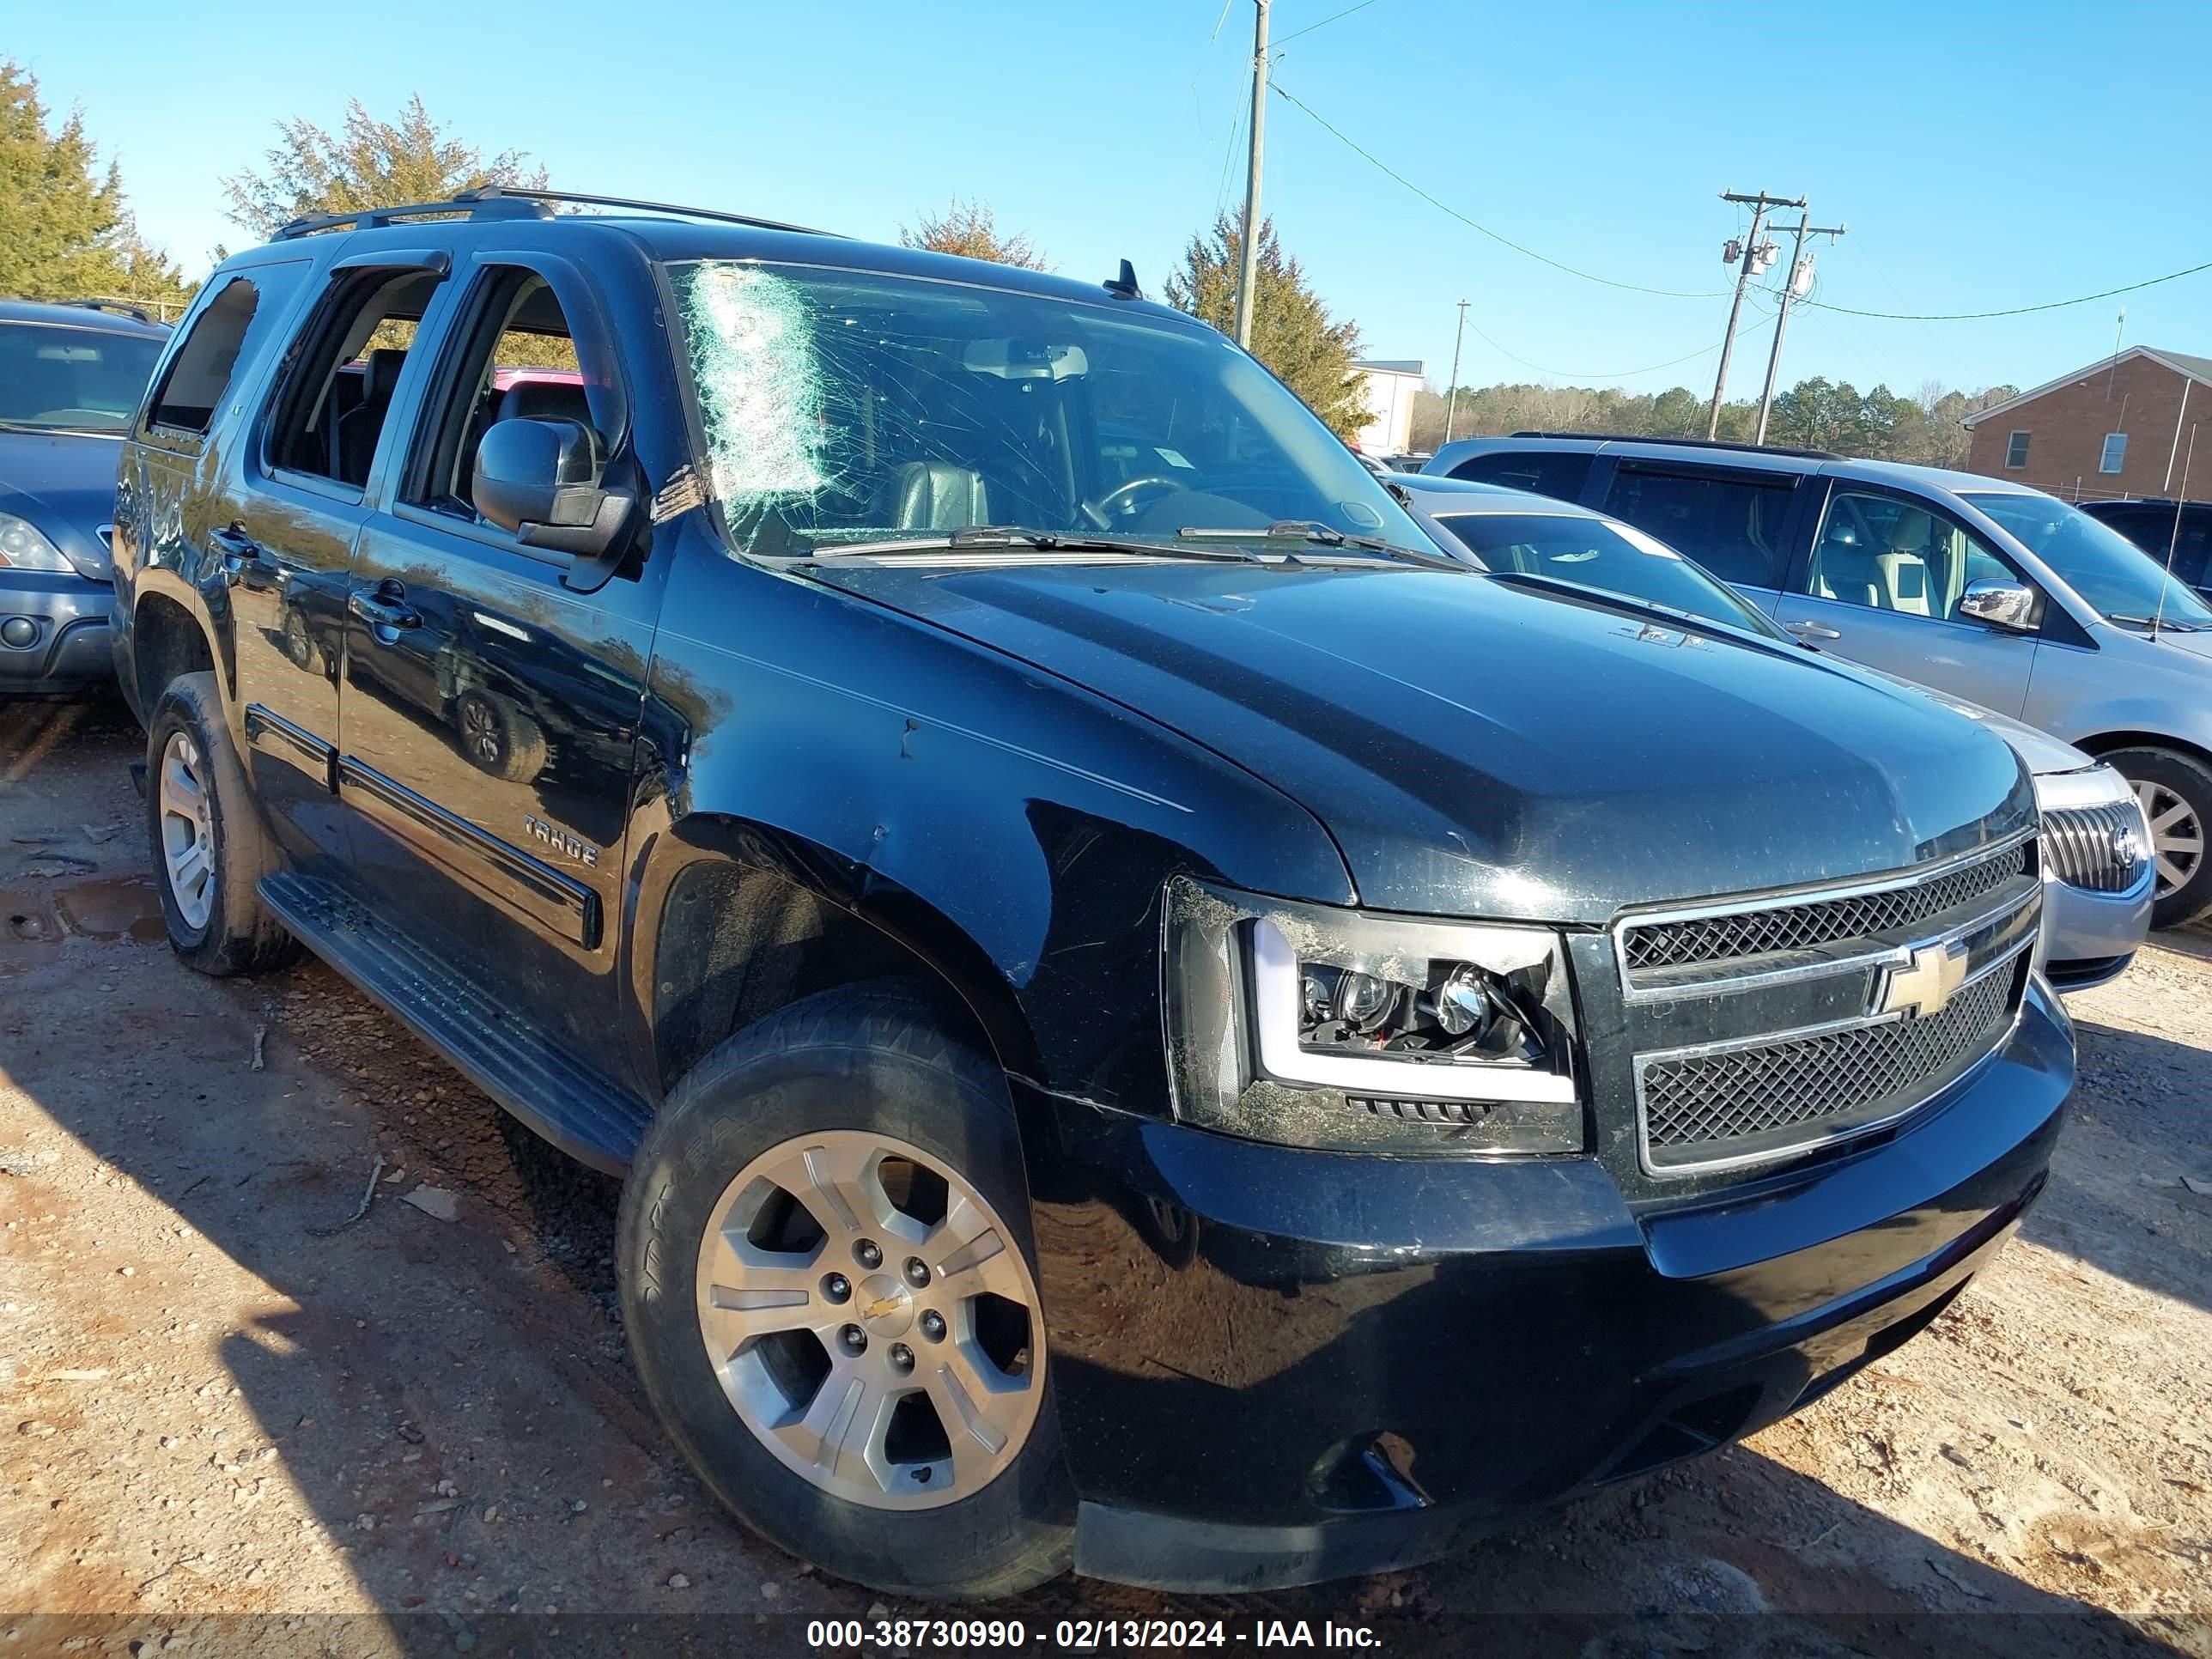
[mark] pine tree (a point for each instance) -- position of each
(65, 231)
(1292, 332)
(368, 163)
(967, 229)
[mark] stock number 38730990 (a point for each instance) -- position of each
(987, 1635)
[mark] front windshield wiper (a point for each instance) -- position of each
(1316, 533)
(2164, 624)
(979, 537)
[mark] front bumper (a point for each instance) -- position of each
(1276, 1366)
(67, 645)
(2090, 937)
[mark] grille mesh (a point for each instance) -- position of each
(2082, 844)
(1697, 940)
(1708, 1100)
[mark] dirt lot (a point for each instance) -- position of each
(230, 1429)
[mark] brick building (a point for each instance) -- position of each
(2118, 427)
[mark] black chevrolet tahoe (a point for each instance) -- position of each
(1152, 1022)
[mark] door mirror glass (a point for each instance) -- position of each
(2007, 604)
(540, 481)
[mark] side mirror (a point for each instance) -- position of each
(544, 481)
(2009, 605)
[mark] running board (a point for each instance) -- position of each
(585, 1114)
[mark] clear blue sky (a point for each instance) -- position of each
(1984, 155)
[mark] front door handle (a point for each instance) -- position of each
(238, 549)
(1814, 630)
(386, 611)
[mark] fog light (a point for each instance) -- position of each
(20, 632)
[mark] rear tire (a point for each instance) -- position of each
(795, 1429)
(2177, 788)
(209, 850)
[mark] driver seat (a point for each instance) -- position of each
(936, 495)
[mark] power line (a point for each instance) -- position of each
(1615, 375)
(1324, 22)
(1384, 168)
(2010, 310)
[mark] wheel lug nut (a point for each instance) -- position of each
(855, 1338)
(902, 1357)
(917, 1272)
(868, 1253)
(836, 1286)
(932, 1325)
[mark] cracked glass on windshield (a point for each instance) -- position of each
(846, 407)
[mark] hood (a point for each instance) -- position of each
(1479, 750)
(64, 483)
(2041, 753)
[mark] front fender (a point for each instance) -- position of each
(1013, 829)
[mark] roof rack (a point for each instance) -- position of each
(516, 202)
(1691, 443)
(120, 307)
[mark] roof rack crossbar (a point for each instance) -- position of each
(515, 201)
(1689, 443)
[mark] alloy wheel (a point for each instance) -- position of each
(2176, 837)
(872, 1320)
(481, 733)
(187, 831)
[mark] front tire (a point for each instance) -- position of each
(828, 1281)
(2175, 791)
(209, 850)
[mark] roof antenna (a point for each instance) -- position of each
(1123, 285)
(2174, 540)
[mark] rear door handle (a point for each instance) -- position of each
(1814, 630)
(387, 615)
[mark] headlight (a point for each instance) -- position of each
(1315, 1026)
(23, 547)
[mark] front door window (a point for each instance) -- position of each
(1888, 553)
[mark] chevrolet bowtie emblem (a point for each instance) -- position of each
(1926, 982)
(879, 1307)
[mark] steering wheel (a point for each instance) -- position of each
(1112, 502)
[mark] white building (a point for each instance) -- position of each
(1388, 386)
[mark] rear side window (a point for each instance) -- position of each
(1730, 524)
(330, 415)
(1545, 472)
(223, 342)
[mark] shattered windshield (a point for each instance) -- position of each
(849, 407)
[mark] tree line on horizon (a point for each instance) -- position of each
(71, 236)
(1816, 413)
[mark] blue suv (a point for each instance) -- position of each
(70, 380)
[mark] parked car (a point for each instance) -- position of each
(70, 377)
(2096, 846)
(2180, 530)
(1150, 1018)
(1992, 591)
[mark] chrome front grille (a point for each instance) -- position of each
(1733, 1100)
(1781, 927)
(2100, 848)
(1821, 1012)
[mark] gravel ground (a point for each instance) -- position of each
(234, 1423)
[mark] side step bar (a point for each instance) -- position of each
(583, 1113)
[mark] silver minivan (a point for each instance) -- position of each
(2001, 595)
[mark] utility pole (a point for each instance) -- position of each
(1249, 276)
(1451, 399)
(1799, 285)
(1756, 256)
